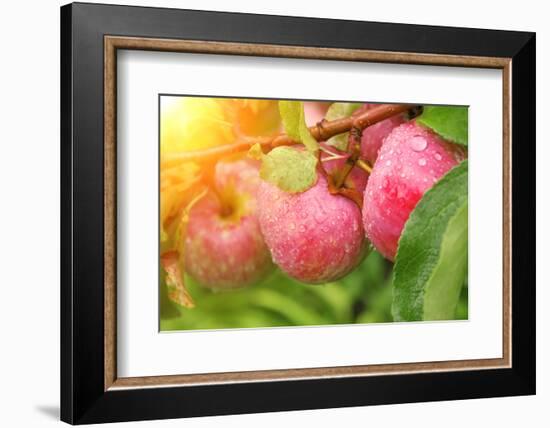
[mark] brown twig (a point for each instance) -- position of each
(338, 180)
(354, 149)
(322, 131)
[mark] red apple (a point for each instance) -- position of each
(313, 236)
(373, 137)
(410, 161)
(224, 247)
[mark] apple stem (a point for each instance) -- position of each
(364, 166)
(354, 148)
(333, 155)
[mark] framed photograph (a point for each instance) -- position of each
(266, 213)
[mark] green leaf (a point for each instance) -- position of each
(291, 112)
(339, 111)
(449, 122)
(289, 169)
(306, 138)
(432, 258)
(294, 122)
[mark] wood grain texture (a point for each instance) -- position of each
(112, 43)
(507, 214)
(308, 373)
(110, 214)
(227, 48)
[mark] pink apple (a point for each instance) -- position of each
(410, 161)
(313, 236)
(224, 247)
(373, 136)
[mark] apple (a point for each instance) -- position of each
(224, 246)
(411, 160)
(313, 236)
(373, 137)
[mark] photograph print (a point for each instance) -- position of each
(280, 213)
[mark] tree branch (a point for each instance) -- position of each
(322, 131)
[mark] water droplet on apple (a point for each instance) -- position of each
(285, 206)
(418, 143)
(319, 217)
(422, 162)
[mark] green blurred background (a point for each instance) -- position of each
(363, 296)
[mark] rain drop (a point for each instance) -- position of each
(285, 206)
(418, 143)
(388, 163)
(422, 162)
(438, 156)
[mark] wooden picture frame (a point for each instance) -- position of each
(91, 391)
